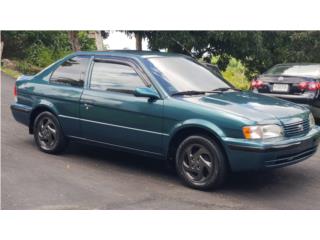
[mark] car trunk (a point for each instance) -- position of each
(286, 85)
(293, 88)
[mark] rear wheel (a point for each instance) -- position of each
(200, 163)
(48, 134)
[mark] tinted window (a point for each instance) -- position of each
(312, 70)
(114, 77)
(177, 74)
(71, 73)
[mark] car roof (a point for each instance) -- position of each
(297, 64)
(129, 53)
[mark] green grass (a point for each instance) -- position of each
(20, 67)
(10, 72)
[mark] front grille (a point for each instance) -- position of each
(291, 158)
(297, 128)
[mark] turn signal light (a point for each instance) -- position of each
(246, 132)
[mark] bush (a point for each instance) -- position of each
(39, 55)
(41, 48)
(23, 67)
(26, 68)
(42, 56)
(234, 73)
(86, 43)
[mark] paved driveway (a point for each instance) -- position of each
(87, 177)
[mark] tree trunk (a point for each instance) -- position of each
(99, 41)
(74, 40)
(1, 49)
(138, 37)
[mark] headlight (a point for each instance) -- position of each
(311, 121)
(262, 131)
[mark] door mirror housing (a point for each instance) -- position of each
(146, 92)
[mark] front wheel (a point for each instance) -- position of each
(200, 163)
(48, 134)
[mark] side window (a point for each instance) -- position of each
(115, 77)
(71, 73)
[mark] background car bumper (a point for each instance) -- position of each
(245, 155)
(310, 102)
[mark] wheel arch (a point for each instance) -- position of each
(36, 111)
(187, 129)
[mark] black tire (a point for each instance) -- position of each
(201, 163)
(48, 134)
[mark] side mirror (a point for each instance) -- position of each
(146, 92)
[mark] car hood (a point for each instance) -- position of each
(252, 106)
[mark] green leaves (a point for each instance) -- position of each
(41, 48)
(257, 50)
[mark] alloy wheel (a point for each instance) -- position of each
(197, 163)
(47, 133)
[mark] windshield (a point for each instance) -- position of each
(295, 70)
(178, 74)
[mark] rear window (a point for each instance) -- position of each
(71, 73)
(295, 70)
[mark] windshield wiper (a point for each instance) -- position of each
(195, 92)
(224, 89)
(191, 92)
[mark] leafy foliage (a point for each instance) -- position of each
(18, 43)
(234, 73)
(40, 48)
(86, 43)
(257, 50)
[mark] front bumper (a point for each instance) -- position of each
(245, 155)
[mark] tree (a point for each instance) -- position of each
(74, 40)
(139, 36)
(1, 48)
(257, 50)
(41, 48)
(177, 41)
(18, 44)
(98, 37)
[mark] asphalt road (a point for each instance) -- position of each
(86, 177)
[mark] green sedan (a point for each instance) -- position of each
(166, 106)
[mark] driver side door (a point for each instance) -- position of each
(111, 114)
